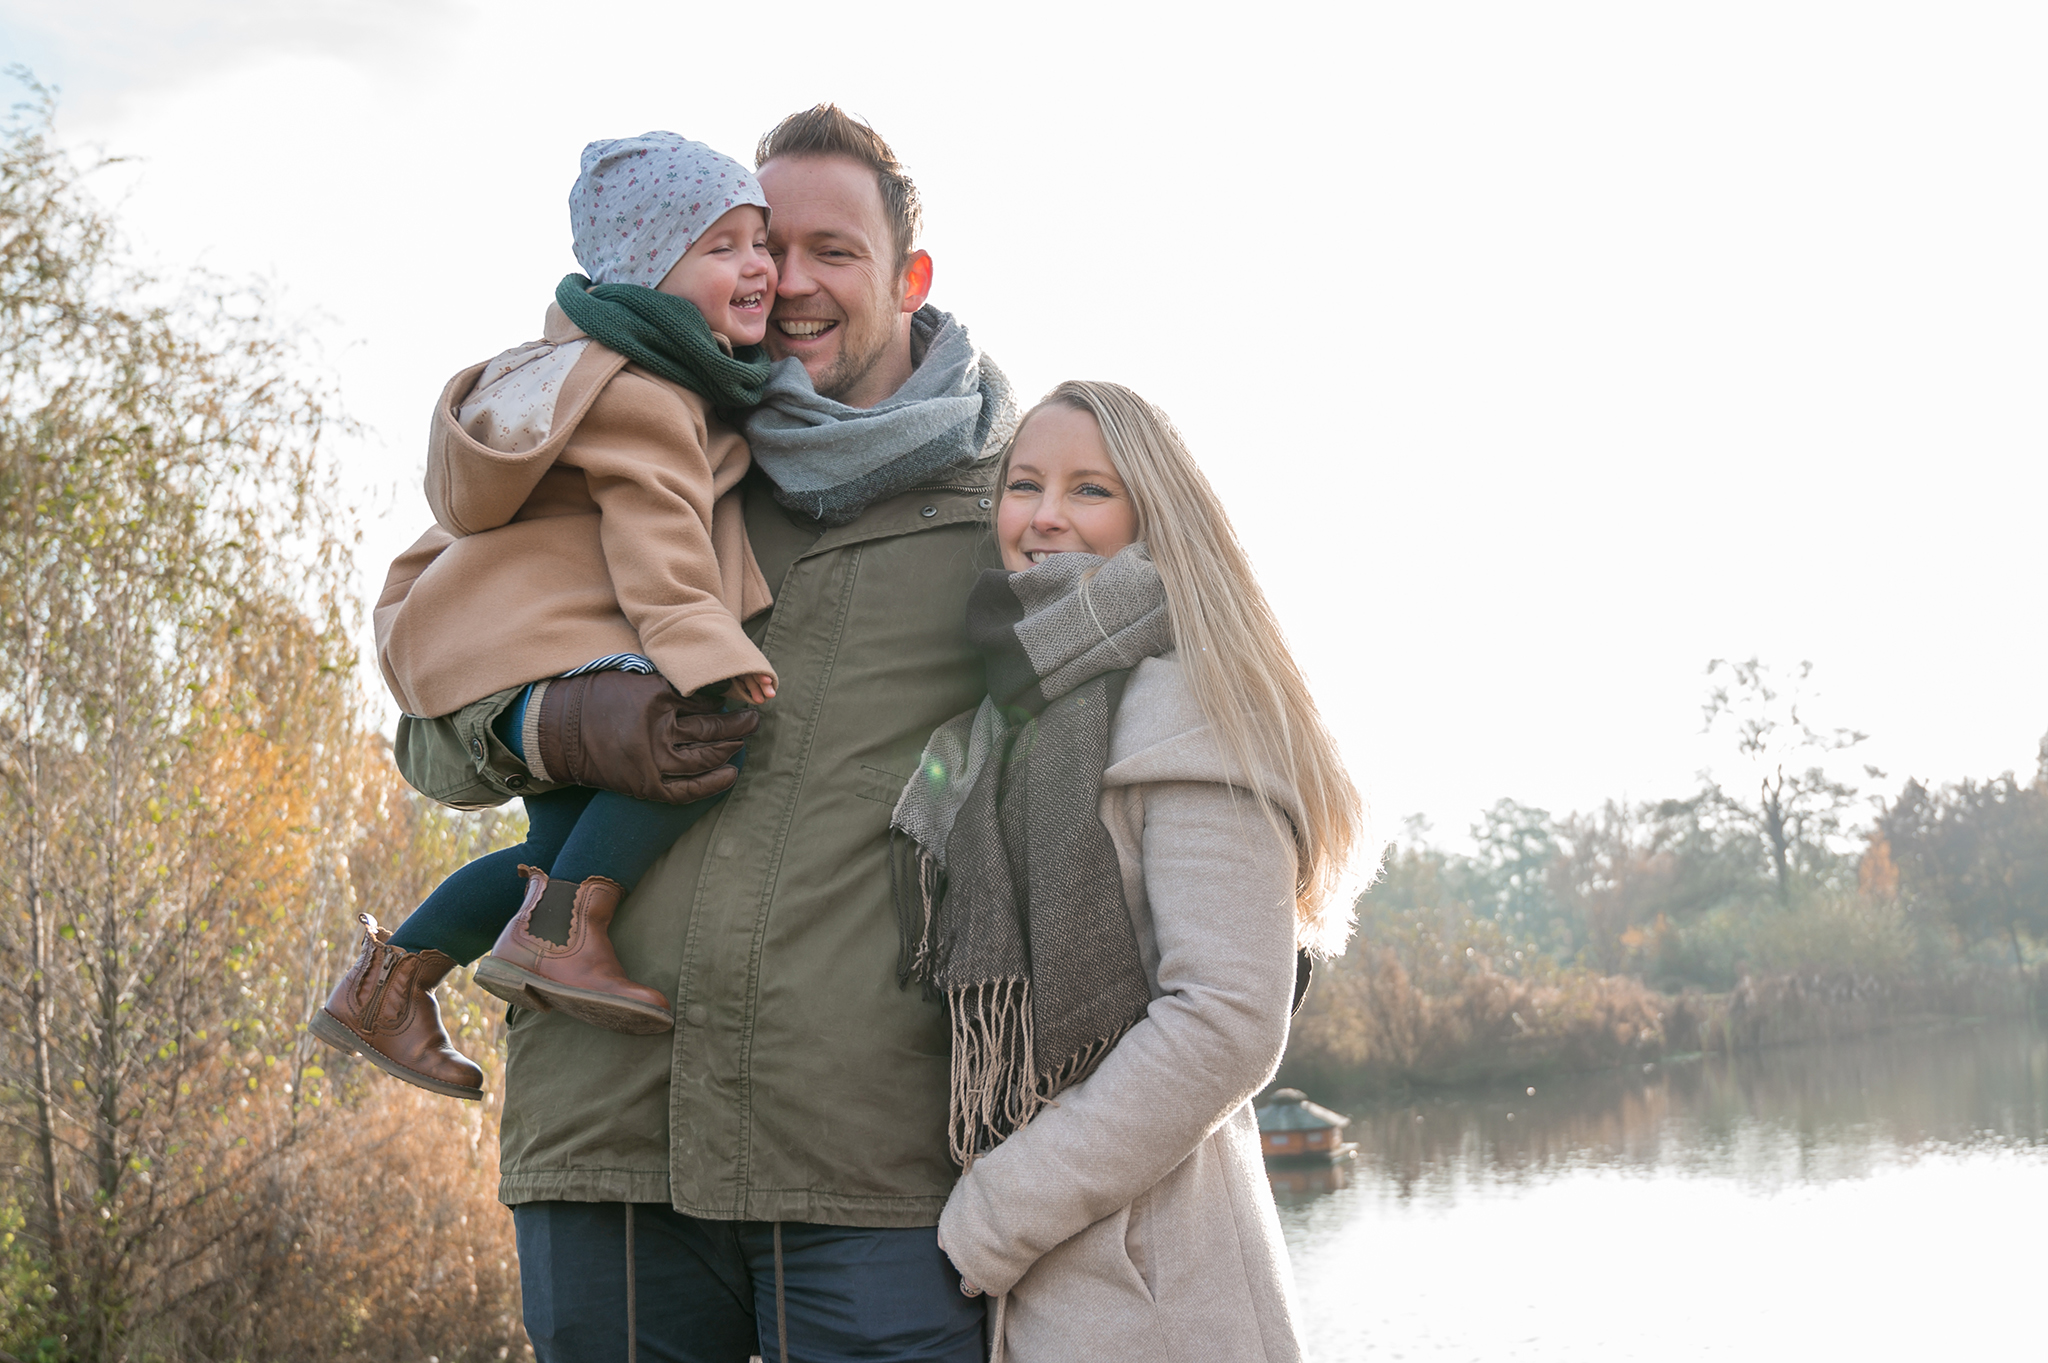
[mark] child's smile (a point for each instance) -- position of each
(729, 275)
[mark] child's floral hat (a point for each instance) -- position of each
(642, 201)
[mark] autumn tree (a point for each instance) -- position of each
(1516, 845)
(1973, 856)
(190, 808)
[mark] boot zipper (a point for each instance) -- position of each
(384, 968)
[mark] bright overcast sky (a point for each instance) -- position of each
(1542, 351)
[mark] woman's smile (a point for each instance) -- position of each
(1061, 492)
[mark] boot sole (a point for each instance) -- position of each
(524, 989)
(338, 1034)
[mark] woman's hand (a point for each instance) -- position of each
(967, 1289)
(755, 688)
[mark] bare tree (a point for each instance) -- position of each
(1798, 807)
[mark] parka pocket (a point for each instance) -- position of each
(883, 787)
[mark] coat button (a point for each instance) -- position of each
(476, 748)
(697, 1015)
(985, 504)
(929, 512)
(515, 781)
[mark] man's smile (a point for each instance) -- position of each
(804, 328)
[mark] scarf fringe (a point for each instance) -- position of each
(993, 1088)
(996, 1084)
(1077, 1066)
(917, 884)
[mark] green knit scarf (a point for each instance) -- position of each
(667, 335)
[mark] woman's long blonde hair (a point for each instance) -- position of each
(1230, 644)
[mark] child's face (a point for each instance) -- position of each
(728, 275)
(1061, 492)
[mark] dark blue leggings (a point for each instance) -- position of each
(572, 834)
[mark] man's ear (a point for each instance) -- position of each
(917, 280)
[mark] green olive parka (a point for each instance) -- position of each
(800, 1083)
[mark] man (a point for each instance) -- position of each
(787, 1142)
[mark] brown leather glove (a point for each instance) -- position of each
(634, 733)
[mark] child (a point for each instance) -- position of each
(584, 489)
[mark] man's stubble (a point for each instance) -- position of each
(858, 359)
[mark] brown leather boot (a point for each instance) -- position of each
(556, 953)
(384, 1009)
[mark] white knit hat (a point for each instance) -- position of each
(641, 202)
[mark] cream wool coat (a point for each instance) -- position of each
(583, 507)
(1132, 1218)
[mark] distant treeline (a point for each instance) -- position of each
(1732, 918)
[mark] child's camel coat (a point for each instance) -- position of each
(1132, 1219)
(619, 531)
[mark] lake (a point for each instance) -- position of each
(1879, 1199)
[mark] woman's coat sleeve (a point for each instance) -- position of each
(1220, 881)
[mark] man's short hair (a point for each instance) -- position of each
(828, 130)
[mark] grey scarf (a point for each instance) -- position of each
(830, 461)
(1007, 885)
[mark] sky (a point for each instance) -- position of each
(1543, 353)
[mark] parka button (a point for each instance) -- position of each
(985, 504)
(929, 511)
(476, 748)
(515, 781)
(696, 1015)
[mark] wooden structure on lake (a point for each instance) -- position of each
(1292, 1130)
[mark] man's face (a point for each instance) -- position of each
(840, 301)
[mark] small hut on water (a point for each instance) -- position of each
(1294, 1130)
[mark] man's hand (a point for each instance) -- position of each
(634, 733)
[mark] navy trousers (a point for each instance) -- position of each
(704, 1291)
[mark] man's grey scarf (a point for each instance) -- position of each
(1008, 890)
(830, 461)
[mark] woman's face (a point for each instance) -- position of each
(1061, 493)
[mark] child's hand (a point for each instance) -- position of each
(755, 688)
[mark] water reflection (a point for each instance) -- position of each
(1300, 1182)
(1814, 1112)
(1809, 1203)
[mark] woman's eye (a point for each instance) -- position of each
(1021, 485)
(1092, 490)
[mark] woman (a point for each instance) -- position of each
(1116, 859)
